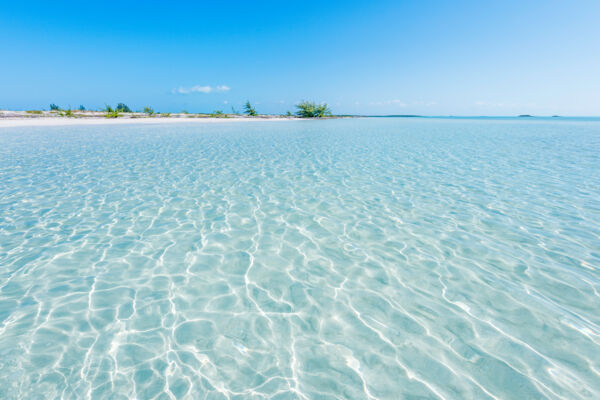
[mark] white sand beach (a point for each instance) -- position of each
(21, 118)
(60, 121)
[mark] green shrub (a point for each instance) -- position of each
(165, 115)
(309, 109)
(121, 107)
(248, 109)
(218, 114)
(66, 113)
(33, 112)
(112, 114)
(54, 107)
(81, 108)
(149, 110)
(108, 108)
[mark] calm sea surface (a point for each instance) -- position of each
(358, 259)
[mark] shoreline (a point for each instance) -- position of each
(12, 122)
(88, 117)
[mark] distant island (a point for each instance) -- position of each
(525, 116)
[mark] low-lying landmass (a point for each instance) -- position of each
(88, 114)
(123, 114)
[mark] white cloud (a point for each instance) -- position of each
(200, 89)
(425, 103)
(505, 105)
(388, 102)
(400, 103)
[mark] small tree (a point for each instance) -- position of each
(121, 107)
(54, 107)
(108, 108)
(149, 110)
(309, 109)
(81, 108)
(248, 109)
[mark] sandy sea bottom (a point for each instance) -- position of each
(355, 259)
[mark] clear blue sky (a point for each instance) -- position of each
(373, 57)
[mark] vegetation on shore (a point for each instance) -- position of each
(305, 109)
(112, 114)
(248, 109)
(309, 109)
(121, 107)
(219, 114)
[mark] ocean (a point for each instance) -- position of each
(371, 258)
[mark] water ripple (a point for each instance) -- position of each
(361, 259)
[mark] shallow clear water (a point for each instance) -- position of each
(372, 258)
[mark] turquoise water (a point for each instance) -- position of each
(359, 259)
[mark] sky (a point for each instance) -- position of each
(361, 57)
